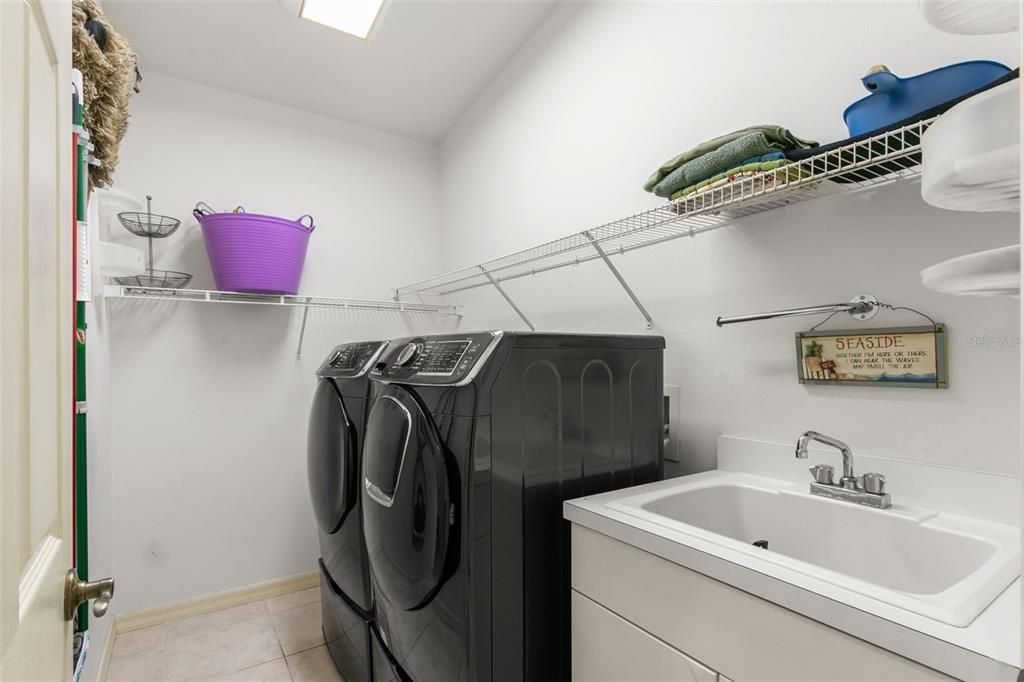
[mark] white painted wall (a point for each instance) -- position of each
(604, 92)
(206, 468)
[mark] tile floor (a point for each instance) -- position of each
(276, 640)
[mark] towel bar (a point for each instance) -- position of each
(861, 307)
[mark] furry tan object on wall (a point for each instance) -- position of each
(109, 76)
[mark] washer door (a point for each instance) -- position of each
(408, 501)
(331, 458)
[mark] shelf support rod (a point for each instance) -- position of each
(508, 299)
(302, 332)
(620, 278)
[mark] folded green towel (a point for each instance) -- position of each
(783, 137)
(747, 169)
(729, 155)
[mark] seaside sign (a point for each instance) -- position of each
(913, 357)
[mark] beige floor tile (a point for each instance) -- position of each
(142, 641)
(217, 619)
(293, 599)
(206, 653)
(274, 671)
(137, 667)
(299, 629)
(314, 665)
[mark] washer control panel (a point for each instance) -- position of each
(446, 359)
(352, 359)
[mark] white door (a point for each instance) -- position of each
(36, 408)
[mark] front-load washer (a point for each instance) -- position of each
(334, 446)
(472, 444)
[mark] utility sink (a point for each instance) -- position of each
(941, 566)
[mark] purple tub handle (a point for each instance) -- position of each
(311, 226)
(202, 210)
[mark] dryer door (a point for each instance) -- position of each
(331, 458)
(408, 505)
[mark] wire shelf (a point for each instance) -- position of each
(206, 296)
(304, 302)
(883, 159)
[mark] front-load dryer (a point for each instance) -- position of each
(472, 444)
(334, 446)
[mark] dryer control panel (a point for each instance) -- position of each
(441, 360)
(351, 359)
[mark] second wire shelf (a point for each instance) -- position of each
(882, 159)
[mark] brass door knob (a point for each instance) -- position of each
(77, 591)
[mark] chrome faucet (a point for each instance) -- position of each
(868, 489)
(848, 481)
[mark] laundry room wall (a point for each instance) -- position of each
(605, 92)
(207, 463)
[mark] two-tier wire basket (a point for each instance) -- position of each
(152, 226)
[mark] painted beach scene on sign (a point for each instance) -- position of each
(912, 356)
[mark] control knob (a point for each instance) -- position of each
(408, 354)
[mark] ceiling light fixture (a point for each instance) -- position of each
(355, 17)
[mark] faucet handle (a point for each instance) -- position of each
(873, 483)
(822, 473)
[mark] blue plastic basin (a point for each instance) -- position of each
(893, 98)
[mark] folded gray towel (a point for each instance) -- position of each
(729, 155)
(774, 133)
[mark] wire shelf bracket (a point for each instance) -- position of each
(890, 157)
(508, 299)
(302, 332)
(305, 302)
(620, 278)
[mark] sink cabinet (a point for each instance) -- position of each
(607, 647)
(636, 616)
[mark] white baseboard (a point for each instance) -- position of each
(213, 602)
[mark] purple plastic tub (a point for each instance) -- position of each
(254, 253)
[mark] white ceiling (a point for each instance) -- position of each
(425, 63)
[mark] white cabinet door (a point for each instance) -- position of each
(723, 627)
(36, 408)
(607, 648)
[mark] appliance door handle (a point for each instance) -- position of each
(374, 491)
(378, 495)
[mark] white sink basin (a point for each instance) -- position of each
(942, 566)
